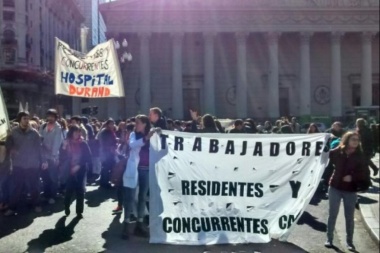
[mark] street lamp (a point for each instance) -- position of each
(122, 50)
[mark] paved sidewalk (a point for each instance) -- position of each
(369, 205)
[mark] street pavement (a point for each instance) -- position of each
(99, 231)
(369, 205)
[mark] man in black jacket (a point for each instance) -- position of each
(366, 139)
(156, 118)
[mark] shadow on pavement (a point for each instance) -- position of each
(25, 217)
(317, 198)
(366, 201)
(312, 221)
(96, 197)
(60, 234)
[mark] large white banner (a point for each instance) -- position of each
(93, 75)
(224, 188)
(4, 121)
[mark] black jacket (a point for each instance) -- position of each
(161, 123)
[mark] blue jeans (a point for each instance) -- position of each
(349, 202)
(50, 178)
(129, 195)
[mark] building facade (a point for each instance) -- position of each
(27, 41)
(247, 58)
(94, 21)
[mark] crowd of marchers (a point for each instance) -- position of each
(46, 159)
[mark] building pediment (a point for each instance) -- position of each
(128, 5)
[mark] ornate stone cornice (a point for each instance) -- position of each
(238, 4)
(290, 18)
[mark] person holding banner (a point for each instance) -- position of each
(137, 173)
(351, 174)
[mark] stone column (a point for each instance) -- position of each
(366, 75)
(177, 90)
(209, 72)
(305, 109)
(336, 75)
(144, 73)
(241, 87)
(273, 84)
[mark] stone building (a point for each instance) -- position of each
(27, 40)
(94, 21)
(247, 58)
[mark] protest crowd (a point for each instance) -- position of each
(51, 158)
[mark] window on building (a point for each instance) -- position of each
(9, 54)
(9, 3)
(8, 16)
(356, 99)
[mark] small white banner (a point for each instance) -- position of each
(223, 188)
(4, 120)
(93, 75)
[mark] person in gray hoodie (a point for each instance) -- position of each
(52, 138)
(24, 144)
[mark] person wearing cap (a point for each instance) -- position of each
(51, 134)
(24, 144)
(108, 144)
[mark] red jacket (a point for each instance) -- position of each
(353, 164)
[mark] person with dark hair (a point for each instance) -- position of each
(250, 126)
(313, 128)
(286, 129)
(367, 143)
(376, 136)
(336, 129)
(350, 168)
(89, 129)
(238, 127)
(219, 126)
(170, 124)
(76, 155)
(178, 126)
(137, 174)
(51, 133)
(207, 123)
(65, 128)
(24, 145)
(77, 120)
(157, 119)
(108, 145)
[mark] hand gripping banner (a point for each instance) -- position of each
(218, 188)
